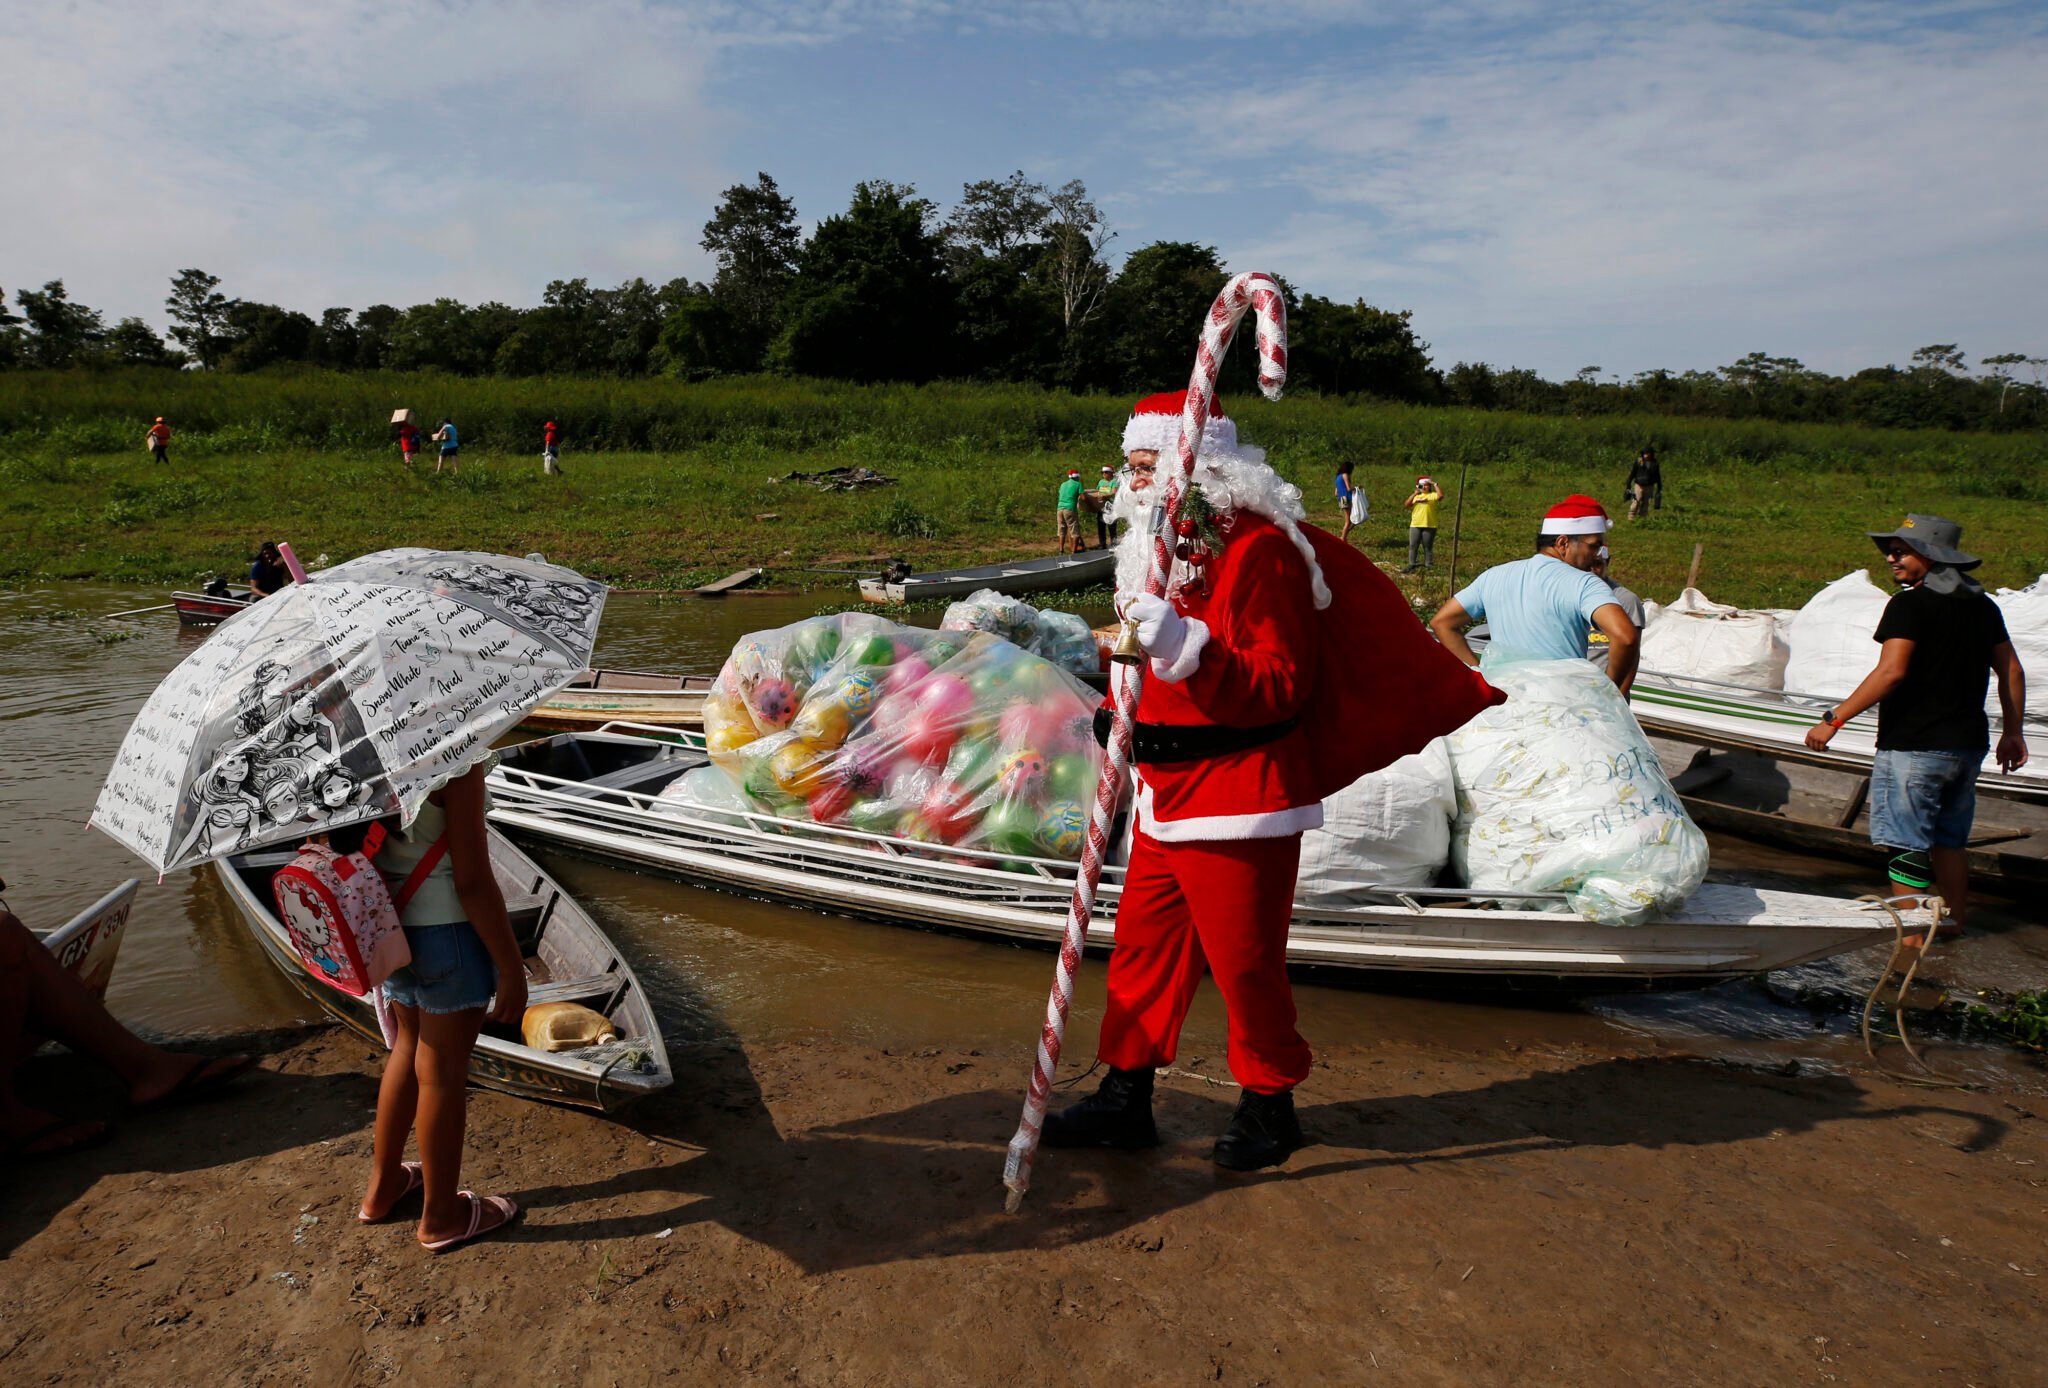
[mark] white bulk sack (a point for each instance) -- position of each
(1392, 827)
(2026, 622)
(1830, 637)
(1558, 790)
(1709, 640)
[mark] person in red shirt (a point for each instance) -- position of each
(159, 437)
(550, 449)
(1273, 638)
(408, 443)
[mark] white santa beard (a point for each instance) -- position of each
(1232, 481)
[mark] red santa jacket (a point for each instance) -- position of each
(1251, 657)
(1364, 677)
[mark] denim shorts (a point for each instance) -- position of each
(1923, 800)
(451, 971)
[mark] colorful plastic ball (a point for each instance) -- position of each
(946, 698)
(864, 766)
(1072, 776)
(949, 811)
(823, 722)
(1011, 829)
(929, 739)
(873, 650)
(816, 643)
(1022, 775)
(774, 703)
(909, 671)
(799, 767)
(829, 803)
(729, 737)
(971, 763)
(1061, 828)
(874, 817)
(858, 692)
(758, 780)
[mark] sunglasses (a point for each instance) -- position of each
(1896, 552)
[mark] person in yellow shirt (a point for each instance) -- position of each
(1422, 504)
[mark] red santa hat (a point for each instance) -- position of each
(1073, 472)
(1155, 424)
(1577, 514)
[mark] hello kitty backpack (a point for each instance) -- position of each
(341, 917)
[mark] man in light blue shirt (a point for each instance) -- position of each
(1539, 608)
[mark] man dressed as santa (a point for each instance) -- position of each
(1257, 680)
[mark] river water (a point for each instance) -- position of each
(72, 677)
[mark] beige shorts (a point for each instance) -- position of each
(1070, 527)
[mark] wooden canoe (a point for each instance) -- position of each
(1052, 573)
(597, 697)
(202, 610)
(568, 959)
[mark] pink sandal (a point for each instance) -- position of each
(415, 1177)
(507, 1208)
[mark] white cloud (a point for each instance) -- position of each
(364, 150)
(1683, 191)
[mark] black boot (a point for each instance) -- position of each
(1118, 1114)
(1263, 1132)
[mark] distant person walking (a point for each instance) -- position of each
(1422, 504)
(1350, 500)
(550, 449)
(408, 443)
(1645, 485)
(159, 440)
(1068, 515)
(450, 442)
(1940, 641)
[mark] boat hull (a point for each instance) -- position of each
(1055, 574)
(496, 1063)
(199, 610)
(88, 945)
(1728, 931)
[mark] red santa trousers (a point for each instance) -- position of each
(1219, 905)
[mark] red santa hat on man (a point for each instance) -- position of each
(1577, 514)
(1233, 477)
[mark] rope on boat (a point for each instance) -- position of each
(1260, 293)
(1916, 955)
(635, 1054)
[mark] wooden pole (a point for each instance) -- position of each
(1458, 524)
(134, 611)
(1692, 575)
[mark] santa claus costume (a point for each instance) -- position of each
(1259, 702)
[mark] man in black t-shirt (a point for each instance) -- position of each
(1939, 642)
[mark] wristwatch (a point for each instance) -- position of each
(1831, 720)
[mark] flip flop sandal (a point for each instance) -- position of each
(507, 1208)
(415, 1177)
(202, 1079)
(58, 1136)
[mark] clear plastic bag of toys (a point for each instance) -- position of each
(1060, 637)
(953, 737)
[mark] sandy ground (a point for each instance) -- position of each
(820, 1213)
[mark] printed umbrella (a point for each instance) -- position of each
(352, 694)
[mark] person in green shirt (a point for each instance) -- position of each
(1422, 504)
(1069, 515)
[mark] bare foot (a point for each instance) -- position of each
(175, 1075)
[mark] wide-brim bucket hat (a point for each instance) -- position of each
(1933, 538)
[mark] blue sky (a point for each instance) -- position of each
(1631, 185)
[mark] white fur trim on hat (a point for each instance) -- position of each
(1160, 432)
(1577, 525)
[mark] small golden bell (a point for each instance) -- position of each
(1127, 650)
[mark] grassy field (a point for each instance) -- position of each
(669, 485)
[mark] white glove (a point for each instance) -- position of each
(1161, 630)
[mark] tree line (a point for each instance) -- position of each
(1012, 284)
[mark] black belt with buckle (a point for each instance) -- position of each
(1155, 744)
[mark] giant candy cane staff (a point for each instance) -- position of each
(1260, 293)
